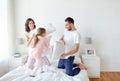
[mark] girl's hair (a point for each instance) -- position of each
(35, 39)
(40, 31)
(27, 29)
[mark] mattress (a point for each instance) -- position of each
(52, 74)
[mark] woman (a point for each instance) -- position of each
(30, 33)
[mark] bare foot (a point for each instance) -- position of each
(42, 72)
(77, 64)
(31, 75)
(81, 66)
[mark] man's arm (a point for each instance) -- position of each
(71, 52)
(74, 50)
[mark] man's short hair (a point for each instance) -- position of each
(70, 20)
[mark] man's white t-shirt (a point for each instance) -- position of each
(71, 38)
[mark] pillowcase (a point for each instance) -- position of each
(49, 37)
(49, 52)
(77, 60)
(24, 59)
(58, 49)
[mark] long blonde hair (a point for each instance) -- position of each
(35, 39)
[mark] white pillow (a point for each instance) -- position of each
(49, 52)
(58, 49)
(77, 60)
(49, 37)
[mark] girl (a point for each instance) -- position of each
(30, 29)
(39, 46)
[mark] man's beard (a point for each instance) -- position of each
(69, 29)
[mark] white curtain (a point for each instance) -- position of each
(3, 37)
(3, 30)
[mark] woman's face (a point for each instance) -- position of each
(31, 25)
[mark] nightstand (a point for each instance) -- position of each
(15, 62)
(92, 64)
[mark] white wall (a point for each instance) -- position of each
(96, 18)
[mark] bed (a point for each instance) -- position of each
(52, 74)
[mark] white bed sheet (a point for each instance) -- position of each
(53, 74)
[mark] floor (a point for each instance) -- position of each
(108, 76)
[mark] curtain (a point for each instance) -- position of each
(3, 30)
(3, 37)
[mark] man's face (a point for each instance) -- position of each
(68, 25)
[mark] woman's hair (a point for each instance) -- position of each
(35, 39)
(27, 29)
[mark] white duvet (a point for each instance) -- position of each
(53, 74)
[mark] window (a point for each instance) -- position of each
(3, 30)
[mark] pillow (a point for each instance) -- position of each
(24, 59)
(58, 49)
(49, 52)
(77, 60)
(49, 37)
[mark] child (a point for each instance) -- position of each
(30, 29)
(39, 45)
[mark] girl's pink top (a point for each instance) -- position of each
(40, 48)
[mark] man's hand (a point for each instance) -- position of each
(63, 55)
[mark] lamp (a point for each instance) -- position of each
(88, 40)
(89, 49)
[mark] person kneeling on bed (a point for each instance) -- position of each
(71, 39)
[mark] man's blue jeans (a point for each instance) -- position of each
(68, 65)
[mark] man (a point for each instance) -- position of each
(71, 38)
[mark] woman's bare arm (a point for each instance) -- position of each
(28, 40)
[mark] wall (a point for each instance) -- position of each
(98, 19)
